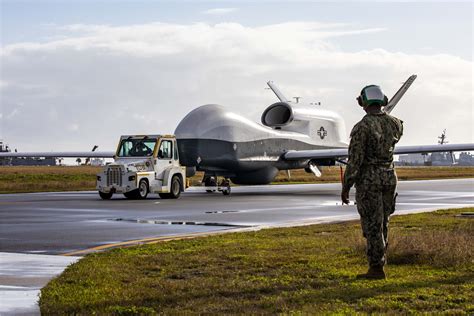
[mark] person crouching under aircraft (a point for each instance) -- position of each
(370, 168)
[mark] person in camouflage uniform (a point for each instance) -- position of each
(370, 168)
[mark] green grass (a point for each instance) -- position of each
(333, 174)
(20, 179)
(298, 270)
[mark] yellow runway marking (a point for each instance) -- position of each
(154, 240)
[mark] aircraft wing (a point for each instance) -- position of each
(71, 154)
(340, 153)
(423, 149)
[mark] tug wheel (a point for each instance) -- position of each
(105, 195)
(143, 189)
(131, 195)
(175, 189)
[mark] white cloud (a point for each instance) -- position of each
(97, 82)
(12, 114)
(219, 11)
(74, 127)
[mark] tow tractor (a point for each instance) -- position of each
(143, 164)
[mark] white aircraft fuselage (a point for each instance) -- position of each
(222, 143)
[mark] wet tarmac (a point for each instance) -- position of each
(35, 228)
(58, 223)
(21, 278)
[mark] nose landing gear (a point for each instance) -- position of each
(212, 185)
(224, 186)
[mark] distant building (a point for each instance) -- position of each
(4, 149)
(412, 160)
(50, 161)
(27, 161)
(442, 159)
(97, 162)
(466, 159)
(437, 158)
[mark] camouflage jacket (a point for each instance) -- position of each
(371, 149)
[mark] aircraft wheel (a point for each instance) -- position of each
(105, 196)
(226, 184)
(210, 182)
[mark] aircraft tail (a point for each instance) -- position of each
(397, 96)
(277, 91)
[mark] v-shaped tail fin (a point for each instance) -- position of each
(397, 96)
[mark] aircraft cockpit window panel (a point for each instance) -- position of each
(137, 147)
(166, 150)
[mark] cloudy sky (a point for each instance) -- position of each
(78, 73)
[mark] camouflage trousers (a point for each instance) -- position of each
(375, 204)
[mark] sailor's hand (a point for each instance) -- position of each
(345, 196)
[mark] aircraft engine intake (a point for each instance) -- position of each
(322, 125)
(277, 114)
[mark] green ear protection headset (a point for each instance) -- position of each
(372, 95)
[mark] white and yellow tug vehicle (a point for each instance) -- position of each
(143, 164)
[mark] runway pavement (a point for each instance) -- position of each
(58, 223)
(76, 223)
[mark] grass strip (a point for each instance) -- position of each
(298, 270)
(22, 179)
(333, 174)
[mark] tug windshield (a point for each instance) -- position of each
(137, 147)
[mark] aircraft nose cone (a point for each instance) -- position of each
(199, 121)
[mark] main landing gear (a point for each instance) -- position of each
(212, 184)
